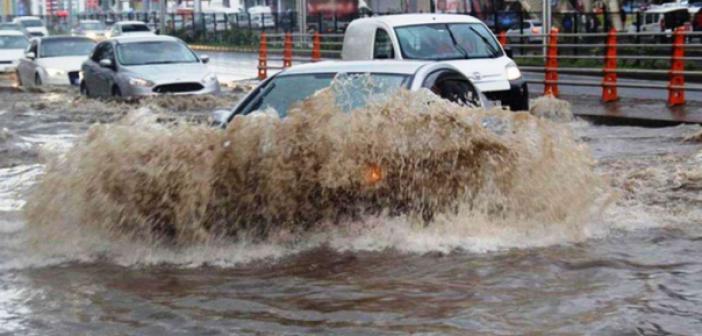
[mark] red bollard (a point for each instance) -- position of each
(316, 46)
(676, 90)
(287, 50)
(609, 84)
(551, 77)
(502, 37)
(263, 58)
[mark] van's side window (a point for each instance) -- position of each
(382, 47)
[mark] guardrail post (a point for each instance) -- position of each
(502, 37)
(287, 50)
(551, 77)
(676, 90)
(609, 84)
(316, 48)
(263, 58)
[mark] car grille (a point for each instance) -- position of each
(36, 34)
(178, 87)
(5, 62)
(74, 77)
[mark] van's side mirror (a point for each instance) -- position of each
(106, 63)
(30, 55)
(509, 52)
(205, 58)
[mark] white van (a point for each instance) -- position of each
(664, 18)
(261, 16)
(460, 40)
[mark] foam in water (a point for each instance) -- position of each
(442, 177)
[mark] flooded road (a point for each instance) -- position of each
(631, 265)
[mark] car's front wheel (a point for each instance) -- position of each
(116, 92)
(84, 89)
(37, 80)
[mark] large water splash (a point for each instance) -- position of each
(392, 173)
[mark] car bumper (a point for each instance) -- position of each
(7, 68)
(63, 79)
(135, 91)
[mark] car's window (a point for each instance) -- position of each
(99, 52)
(70, 46)
(31, 23)
(154, 52)
(382, 47)
(133, 28)
(13, 42)
(92, 26)
(353, 91)
(447, 41)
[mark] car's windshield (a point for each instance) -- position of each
(13, 42)
(154, 52)
(10, 26)
(282, 92)
(92, 26)
(32, 23)
(73, 46)
(134, 28)
(447, 41)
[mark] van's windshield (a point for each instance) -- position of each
(447, 41)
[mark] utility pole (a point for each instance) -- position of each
(546, 23)
(302, 12)
(163, 5)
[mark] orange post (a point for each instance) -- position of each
(676, 90)
(263, 58)
(316, 46)
(551, 78)
(287, 50)
(609, 84)
(502, 37)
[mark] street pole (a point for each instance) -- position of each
(302, 12)
(163, 5)
(546, 23)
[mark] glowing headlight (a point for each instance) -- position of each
(209, 78)
(140, 82)
(91, 35)
(512, 72)
(55, 72)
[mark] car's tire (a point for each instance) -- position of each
(37, 80)
(116, 92)
(84, 89)
(520, 102)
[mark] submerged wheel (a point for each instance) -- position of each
(116, 92)
(84, 89)
(37, 80)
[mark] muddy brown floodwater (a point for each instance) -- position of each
(410, 216)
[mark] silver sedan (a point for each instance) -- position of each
(144, 66)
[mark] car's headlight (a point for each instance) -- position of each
(210, 78)
(140, 82)
(55, 72)
(91, 35)
(512, 72)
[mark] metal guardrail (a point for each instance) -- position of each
(608, 52)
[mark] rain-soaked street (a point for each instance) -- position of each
(571, 228)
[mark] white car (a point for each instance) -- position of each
(461, 40)
(530, 30)
(295, 84)
(54, 60)
(129, 28)
(12, 46)
(32, 25)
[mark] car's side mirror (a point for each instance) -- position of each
(205, 58)
(219, 118)
(30, 55)
(509, 52)
(106, 63)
